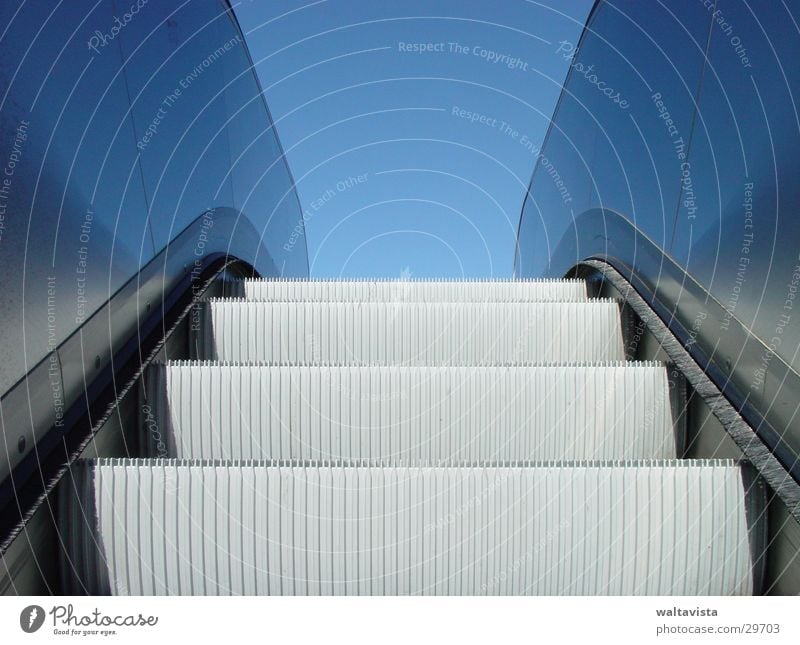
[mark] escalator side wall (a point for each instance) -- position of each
(689, 189)
(777, 570)
(127, 169)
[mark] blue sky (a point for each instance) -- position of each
(411, 127)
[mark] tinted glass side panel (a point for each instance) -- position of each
(204, 133)
(174, 55)
(120, 120)
(263, 188)
(741, 237)
(74, 225)
(621, 130)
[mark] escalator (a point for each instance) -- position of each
(619, 419)
(371, 438)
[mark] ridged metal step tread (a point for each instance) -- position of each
(156, 527)
(411, 333)
(410, 290)
(220, 411)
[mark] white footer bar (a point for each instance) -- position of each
(405, 620)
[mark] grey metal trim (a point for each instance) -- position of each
(679, 399)
(155, 428)
(630, 323)
(756, 504)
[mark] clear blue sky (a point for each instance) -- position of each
(394, 172)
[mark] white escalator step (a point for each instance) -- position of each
(166, 527)
(214, 411)
(412, 290)
(411, 333)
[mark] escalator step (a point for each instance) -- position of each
(167, 527)
(411, 333)
(215, 411)
(411, 290)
